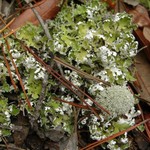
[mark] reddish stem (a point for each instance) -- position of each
(66, 83)
(8, 68)
(18, 75)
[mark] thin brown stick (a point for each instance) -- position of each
(142, 99)
(10, 33)
(8, 69)
(19, 3)
(60, 78)
(5, 142)
(18, 75)
(140, 78)
(65, 82)
(146, 127)
(84, 74)
(7, 25)
(16, 69)
(72, 103)
(10, 147)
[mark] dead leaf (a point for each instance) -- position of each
(146, 33)
(72, 143)
(140, 16)
(34, 142)
(47, 10)
(56, 134)
(131, 2)
(141, 142)
(142, 10)
(20, 136)
(147, 116)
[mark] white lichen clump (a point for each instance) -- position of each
(102, 128)
(118, 100)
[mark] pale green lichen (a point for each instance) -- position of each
(6, 112)
(101, 128)
(118, 100)
(92, 40)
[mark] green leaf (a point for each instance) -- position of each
(86, 68)
(2, 119)
(15, 111)
(6, 132)
(28, 33)
(6, 86)
(119, 127)
(111, 38)
(80, 55)
(54, 104)
(34, 86)
(80, 10)
(141, 128)
(82, 29)
(35, 89)
(107, 26)
(67, 40)
(3, 103)
(57, 120)
(124, 22)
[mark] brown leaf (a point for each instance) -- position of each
(146, 33)
(142, 10)
(140, 16)
(140, 140)
(147, 116)
(21, 125)
(72, 142)
(47, 10)
(55, 135)
(132, 2)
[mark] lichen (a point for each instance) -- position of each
(118, 100)
(89, 38)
